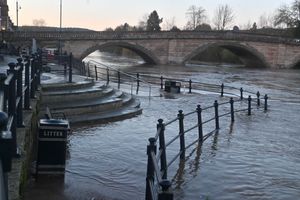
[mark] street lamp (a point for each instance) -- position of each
(17, 12)
(60, 15)
(60, 30)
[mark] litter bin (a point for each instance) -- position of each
(52, 142)
(172, 86)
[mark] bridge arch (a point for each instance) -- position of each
(247, 54)
(144, 53)
(295, 63)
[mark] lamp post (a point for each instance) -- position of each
(60, 15)
(60, 30)
(17, 12)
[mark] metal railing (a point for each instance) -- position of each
(14, 99)
(103, 72)
(158, 185)
(65, 60)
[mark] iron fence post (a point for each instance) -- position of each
(181, 133)
(65, 69)
(161, 82)
(88, 70)
(96, 73)
(11, 94)
(138, 80)
(266, 102)
(166, 192)
(6, 152)
(231, 109)
(137, 83)
(222, 90)
(3, 77)
(119, 79)
(200, 128)
(190, 86)
(249, 105)
(216, 105)
(83, 69)
(241, 90)
(39, 69)
(107, 76)
(71, 68)
(35, 70)
(162, 148)
(258, 98)
(19, 74)
(150, 169)
(27, 85)
(32, 77)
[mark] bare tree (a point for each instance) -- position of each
(288, 15)
(142, 25)
(169, 23)
(39, 22)
(266, 21)
(223, 17)
(196, 16)
(247, 26)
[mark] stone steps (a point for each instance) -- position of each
(71, 95)
(88, 102)
(86, 82)
(108, 116)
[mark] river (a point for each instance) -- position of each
(257, 157)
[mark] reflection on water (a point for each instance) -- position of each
(257, 157)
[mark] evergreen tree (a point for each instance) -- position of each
(153, 22)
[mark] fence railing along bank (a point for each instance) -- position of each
(136, 81)
(158, 186)
(14, 99)
(65, 60)
(109, 74)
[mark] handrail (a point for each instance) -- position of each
(162, 172)
(137, 79)
(196, 84)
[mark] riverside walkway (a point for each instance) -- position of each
(22, 106)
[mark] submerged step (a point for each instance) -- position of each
(89, 107)
(89, 103)
(74, 95)
(104, 117)
(84, 83)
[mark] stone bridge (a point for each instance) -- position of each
(170, 47)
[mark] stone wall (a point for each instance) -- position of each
(27, 143)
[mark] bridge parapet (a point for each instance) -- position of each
(145, 35)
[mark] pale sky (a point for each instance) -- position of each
(100, 14)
